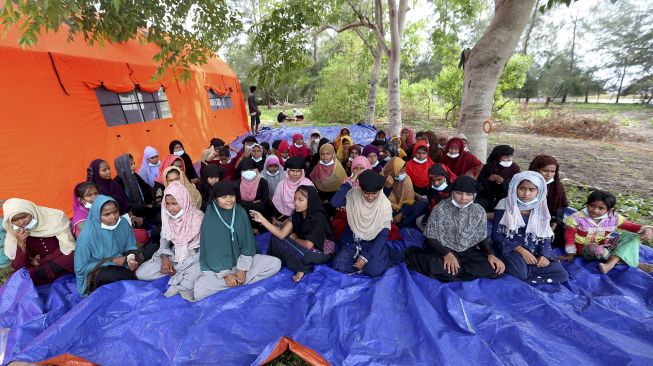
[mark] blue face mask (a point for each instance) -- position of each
(179, 153)
(441, 188)
(587, 213)
(400, 177)
(529, 203)
(248, 174)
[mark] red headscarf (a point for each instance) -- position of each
(283, 147)
(303, 151)
(166, 163)
(405, 144)
(463, 163)
(419, 172)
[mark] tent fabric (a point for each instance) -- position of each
(51, 115)
(399, 318)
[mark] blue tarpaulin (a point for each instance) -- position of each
(400, 318)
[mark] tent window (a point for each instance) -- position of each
(133, 107)
(218, 102)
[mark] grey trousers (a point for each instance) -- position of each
(182, 282)
(209, 282)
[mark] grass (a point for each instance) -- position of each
(287, 359)
(603, 107)
(4, 274)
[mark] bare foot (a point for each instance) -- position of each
(648, 268)
(298, 276)
(606, 267)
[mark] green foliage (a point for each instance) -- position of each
(287, 359)
(514, 75)
(5, 272)
(341, 96)
(452, 17)
(419, 102)
(448, 86)
(187, 32)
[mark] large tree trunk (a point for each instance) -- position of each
(397, 18)
(370, 111)
(484, 67)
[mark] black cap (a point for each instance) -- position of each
(296, 162)
(465, 184)
(223, 188)
(371, 181)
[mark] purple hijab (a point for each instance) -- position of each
(147, 172)
(79, 211)
(107, 187)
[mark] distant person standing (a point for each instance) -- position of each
(254, 113)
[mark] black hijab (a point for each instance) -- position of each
(188, 162)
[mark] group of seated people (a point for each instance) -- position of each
(322, 202)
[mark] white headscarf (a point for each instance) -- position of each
(539, 221)
(50, 222)
(367, 219)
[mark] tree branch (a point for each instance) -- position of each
(345, 27)
(365, 41)
(403, 9)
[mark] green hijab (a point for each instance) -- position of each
(220, 247)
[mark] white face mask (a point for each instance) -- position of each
(272, 174)
(400, 177)
(298, 145)
(179, 153)
(453, 156)
(441, 188)
(284, 159)
(586, 212)
(316, 140)
(531, 202)
(178, 215)
(107, 227)
(422, 161)
(87, 205)
(248, 174)
(387, 158)
(375, 164)
(505, 164)
(351, 159)
(327, 164)
(550, 180)
(441, 146)
(459, 205)
(32, 224)
(154, 165)
(257, 159)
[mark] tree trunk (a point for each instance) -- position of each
(587, 93)
(527, 37)
(370, 111)
(621, 83)
(484, 67)
(649, 99)
(396, 20)
(564, 96)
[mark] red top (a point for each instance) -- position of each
(570, 233)
(42, 247)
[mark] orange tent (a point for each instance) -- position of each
(52, 124)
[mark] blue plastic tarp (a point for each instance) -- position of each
(401, 318)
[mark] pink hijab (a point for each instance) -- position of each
(248, 188)
(79, 212)
(184, 232)
(284, 195)
(360, 160)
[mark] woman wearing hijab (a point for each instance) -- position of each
(495, 177)
(522, 233)
(342, 152)
(363, 246)
(211, 175)
(149, 169)
(38, 239)
(253, 192)
(339, 222)
(372, 154)
(407, 137)
(159, 182)
(273, 173)
(328, 174)
(461, 162)
(139, 194)
(284, 194)
(255, 153)
(304, 240)
(298, 147)
(441, 179)
(178, 254)
(401, 153)
(399, 189)
(177, 148)
(283, 152)
(83, 196)
(174, 174)
(227, 249)
(106, 249)
(381, 136)
(338, 140)
(556, 196)
(314, 144)
(354, 151)
(418, 168)
(315, 159)
(457, 245)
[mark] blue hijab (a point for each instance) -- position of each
(147, 172)
(95, 243)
